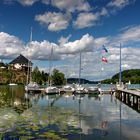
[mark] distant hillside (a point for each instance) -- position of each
(132, 75)
(83, 81)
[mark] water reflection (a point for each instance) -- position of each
(14, 98)
(65, 117)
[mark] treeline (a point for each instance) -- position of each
(8, 75)
(56, 78)
(132, 75)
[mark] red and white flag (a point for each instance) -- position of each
(104, 60)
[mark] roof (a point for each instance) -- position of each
(2, 64)
(20, 60)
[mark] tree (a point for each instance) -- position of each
(58, 77)
(39, 76)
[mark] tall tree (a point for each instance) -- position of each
(58, 78)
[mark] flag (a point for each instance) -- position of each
(104, 49)
(104, 60)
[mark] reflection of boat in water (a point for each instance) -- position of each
(78, 96)
(52, 98)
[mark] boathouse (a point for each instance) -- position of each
(21, 63)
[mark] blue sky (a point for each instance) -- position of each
(69, 27)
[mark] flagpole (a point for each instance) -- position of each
(120, 79)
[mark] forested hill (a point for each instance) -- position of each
(132, 75)
(82, 81)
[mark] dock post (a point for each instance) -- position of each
(138, 100)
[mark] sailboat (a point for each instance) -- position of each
(30, 85)
(78, 87)
(67, 88)
(51, 89)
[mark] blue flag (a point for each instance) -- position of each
(104, 49)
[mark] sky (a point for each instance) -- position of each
(35, 27)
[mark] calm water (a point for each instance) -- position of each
(65, 117)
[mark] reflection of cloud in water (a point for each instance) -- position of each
(129, 133)
(51, 115)
(8, 118)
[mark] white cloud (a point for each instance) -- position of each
(46, 1)
(131, 34)
(101, 41)
(63, 40)
(88, 19)
(54, 21)
(68, 52)
(118, 3)
(27, 2)
(66, 5)
(103, 12)
(85, 44)
(71, 5)
(10, 46)
(41, 50)
(115, 5)
(85, 20)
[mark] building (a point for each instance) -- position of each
(21, 63)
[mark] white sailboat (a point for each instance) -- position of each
(78, 87)
(93, 90)
(67, 88)
(51, 89)
(30, 85)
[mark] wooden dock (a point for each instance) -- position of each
(129, 97)
(132, 92)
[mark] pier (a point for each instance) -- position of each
(129, 97)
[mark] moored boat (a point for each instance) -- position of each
(68, 89)
(79, 89)
(32, 87)
(93, 90)
(12, 84)
(52, 90)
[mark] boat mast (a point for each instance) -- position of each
(120, 79)
(80, 69)
(30, 67)
(50, 66)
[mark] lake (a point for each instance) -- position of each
(65, 117)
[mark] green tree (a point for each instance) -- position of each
(39, 76)
(58, 78)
